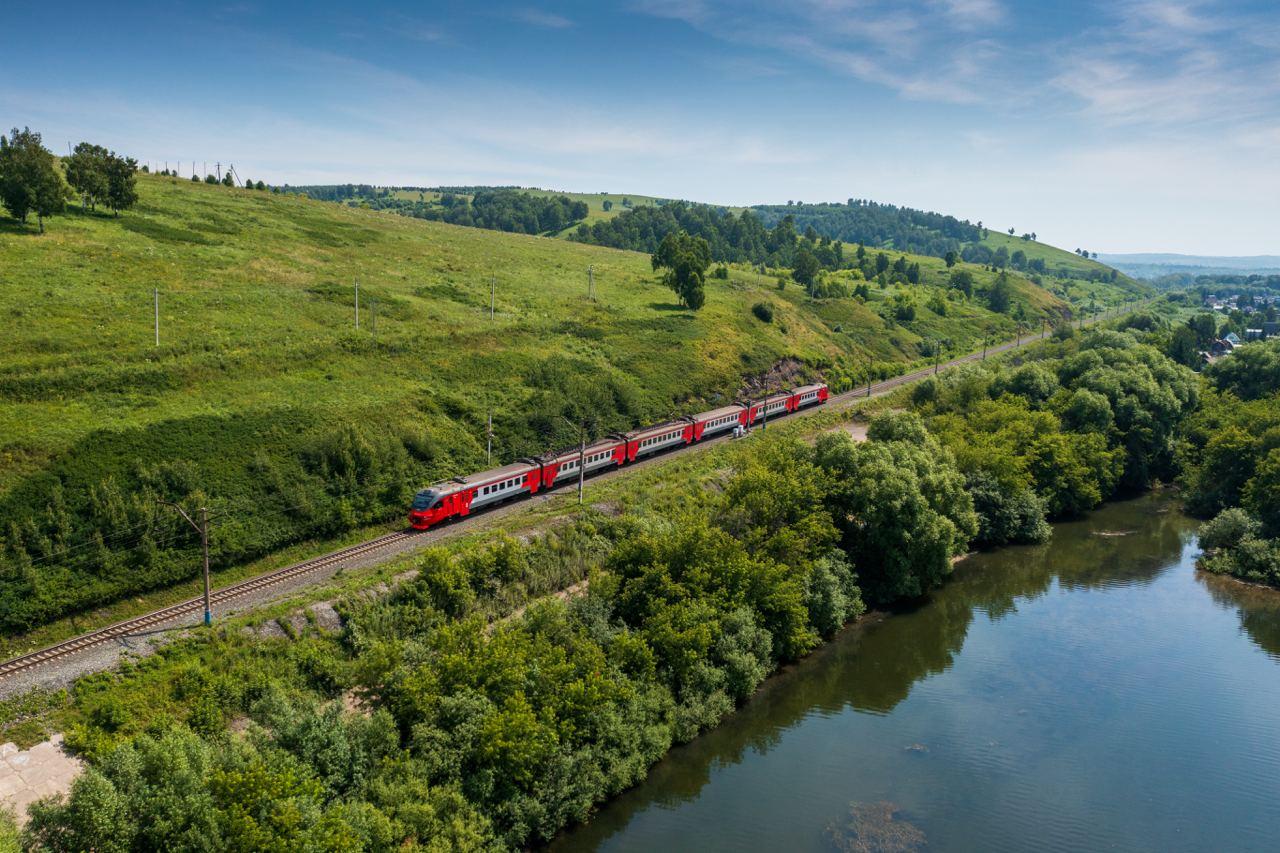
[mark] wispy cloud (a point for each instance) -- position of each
(1160, 62)
(921, 49)
(541, 18)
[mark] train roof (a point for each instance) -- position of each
(736, 408)
(574, 452)
(646, 432)
(482, 477)
(813, 387)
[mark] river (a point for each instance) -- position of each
(1093, 693)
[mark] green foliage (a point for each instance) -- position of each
(1000, 296)
(30, 181)
(901, 508)
(1231, 466)
(763, 312)
(685, 260)
(1250, 373)
(962, 280)
(804, 268)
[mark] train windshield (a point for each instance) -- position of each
(425, 499)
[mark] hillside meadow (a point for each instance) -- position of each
(264, 402)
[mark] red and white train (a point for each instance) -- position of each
(464, 495)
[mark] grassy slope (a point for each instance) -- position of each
(259, 360)
(1077, 289)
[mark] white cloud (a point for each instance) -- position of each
(542, 18)
(1171, 63)
(922, 49)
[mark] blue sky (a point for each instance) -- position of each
(1117, 126)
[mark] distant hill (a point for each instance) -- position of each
(1151, 265)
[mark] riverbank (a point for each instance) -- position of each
(1045, 696)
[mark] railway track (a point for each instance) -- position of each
(226, 595)
(140, 624)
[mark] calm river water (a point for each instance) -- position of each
(1095, 693)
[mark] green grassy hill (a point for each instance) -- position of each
(265, 403)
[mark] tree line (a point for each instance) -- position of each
(495, 208)
(32, 182)
(874, 224)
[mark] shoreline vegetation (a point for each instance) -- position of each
(1231, 466)
(471, 734)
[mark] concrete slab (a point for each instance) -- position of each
(32, 774)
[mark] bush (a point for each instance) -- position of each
(763, 312)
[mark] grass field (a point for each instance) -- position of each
(264, 402)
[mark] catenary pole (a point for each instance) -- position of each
(203, 529)
(155, 293)
(357, 305)
(582, 459)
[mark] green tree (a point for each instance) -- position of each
(1262, 494)
(902, 510)
(122, 182)
(29, 178)
(685, 260)
(950, 258)
(962, 280)
(805, 267)
(87, 173)
(1000, 295)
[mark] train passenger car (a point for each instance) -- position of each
(810, 395)
(462, 495)
(717, 421)
(642, 442)
(561, 467)
(771, 407)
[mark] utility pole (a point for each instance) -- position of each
(357, 305)
(868, 377)
(155, 292)
(218, 166)
(493, 292)
(374, 308)
(984, 347)
(488, 433)
(591, 282)
(937, 352)
(582, 459)
(203, 529)
(764, 407)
